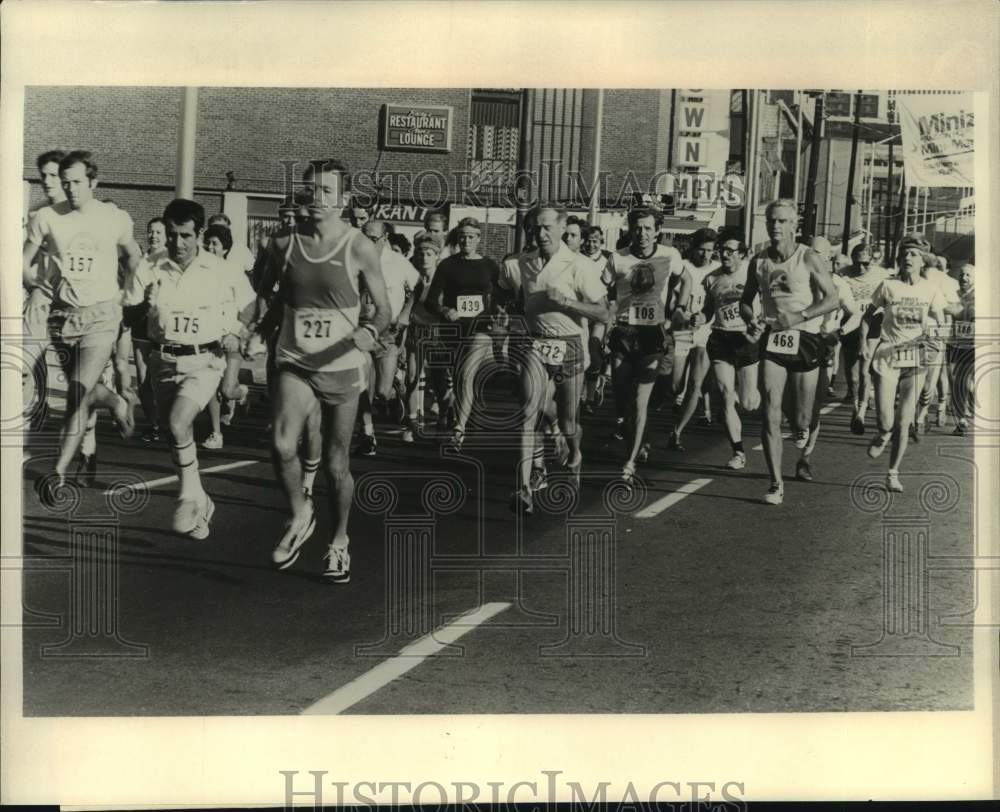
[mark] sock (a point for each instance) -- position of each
(368, 425)
(185, 458)
(737, 447)
(309, 469)
(89, 444)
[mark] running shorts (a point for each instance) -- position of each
(195, 377)
(732, 347)
(93, 325)
(134, 318)
(887, 364)
(637, 341)
(795, 350)
(596, 357)
(851, 342)
(333, 387)
(875, 326)
(560, 356)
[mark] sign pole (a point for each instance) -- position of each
(849, 201)
(809, 219)
(184, 186)
(595, 195)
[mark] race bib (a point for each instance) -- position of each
(552, 351)
(939, 331)
(78, 267)
(729, 316)
(469, 306)
(317, 328)
(644, 314)
(906, 356)
(190, 326)
(964, 329)
(785, 342)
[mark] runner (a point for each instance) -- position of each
(962, 352)
(240, 255)
(691, 331)
(462, 294)
(357, 214)
(573, 235)
(796, 291)
(38, 302)
(859, 336)
(559, 288)
(909, 303)
(641, 273)
(191, 295)
(936, 384)
(732, 353)
(599, 369)
(82, 236)
(401, 279)
(321, 355)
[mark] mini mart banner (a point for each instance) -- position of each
(938, 139)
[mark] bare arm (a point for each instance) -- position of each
(370, 267)
(749, 293)
(29, 268)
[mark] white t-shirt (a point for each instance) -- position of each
(241, 256)
(400, 277)
(907, 308)
(83, 249)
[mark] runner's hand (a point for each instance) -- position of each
(254, 346)
(450, 314)
(556, 298)
(787, 320)
(364, 340)
(231, 343)
(754, 330)
(697, 320)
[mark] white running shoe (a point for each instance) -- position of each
(738, 461)
(775, 495)
(338, 565)
(892, 482)
(287, 551)
(213, 442)
(202, 529)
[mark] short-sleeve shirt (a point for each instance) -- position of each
(82, 245)
(832, 320)
(194, 305)
(566, 272)
(400, 277)
(698, 276)
(906, 308)
(664, 263)
(862, 287)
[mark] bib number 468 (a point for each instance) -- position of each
(784, 342)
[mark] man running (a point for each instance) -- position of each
(573, 235)
(82, 236)
(862, 278)
(462, 294)
(559, 289)
(321, 355)
(593, 249)
(641, 274)
(962, 351)
(936, 271)
(732, 353)
(192, 296)
(796, 292)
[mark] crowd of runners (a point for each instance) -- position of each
(363, 329)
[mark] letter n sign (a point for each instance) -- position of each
(691, 151)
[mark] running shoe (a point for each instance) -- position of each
(942, 418)
(124, 414)
(562, 448)
(878, 444)
(705, 421)
(456, 440)
(775, 495)
(368, 445)
(674, 443)
(619, 432)
(152, 435)
(643, 455)
(338, 565)
(187, 514)
(892, 482)
(628, 473)
(961, 427)
(213, 442)
(538, 480)
(857, 424)
(86, 470)
(830, 392)
(409, 430)
(287, 551)
(801, 438)
(203, 527)
(803, 471)
(737, 462)
(522, 500)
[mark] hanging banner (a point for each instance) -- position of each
(938, 139)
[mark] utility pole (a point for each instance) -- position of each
(809, 218)
(887, 221)
(523, 148)
(184, 181)
(595, 194)
(849, 202)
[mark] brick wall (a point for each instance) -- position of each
(629, 137)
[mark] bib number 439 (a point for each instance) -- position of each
(784, 342)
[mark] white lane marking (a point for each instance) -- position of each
(824, 411)
(407, 659)
(154, 483)
(671, 499)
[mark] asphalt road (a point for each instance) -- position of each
(717, 603)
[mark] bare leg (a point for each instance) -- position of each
(338, 425)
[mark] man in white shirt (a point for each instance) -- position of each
(82, 236)
(192, 295)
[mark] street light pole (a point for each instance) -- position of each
(809, 219)
(849, 202)
(184, 186)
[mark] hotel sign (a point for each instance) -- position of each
(415, 128)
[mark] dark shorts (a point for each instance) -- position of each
(732, 347)
(875, 326)
(851, 342)
(331, 388)
(134, 318)
(813, 350)
(636, 342)
(596, 349)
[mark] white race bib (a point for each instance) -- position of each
(78, 267)
(551, 350)
(191, 325)
(964, 329)
(729, 316)
(784, 342)
(469, 306)
(644, 314)
(906, 356)
(939, 331)
(318, 328)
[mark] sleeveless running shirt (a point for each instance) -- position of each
(785, 287)
(725, 291)
(322, 306)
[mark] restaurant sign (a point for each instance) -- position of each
(415, 128)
